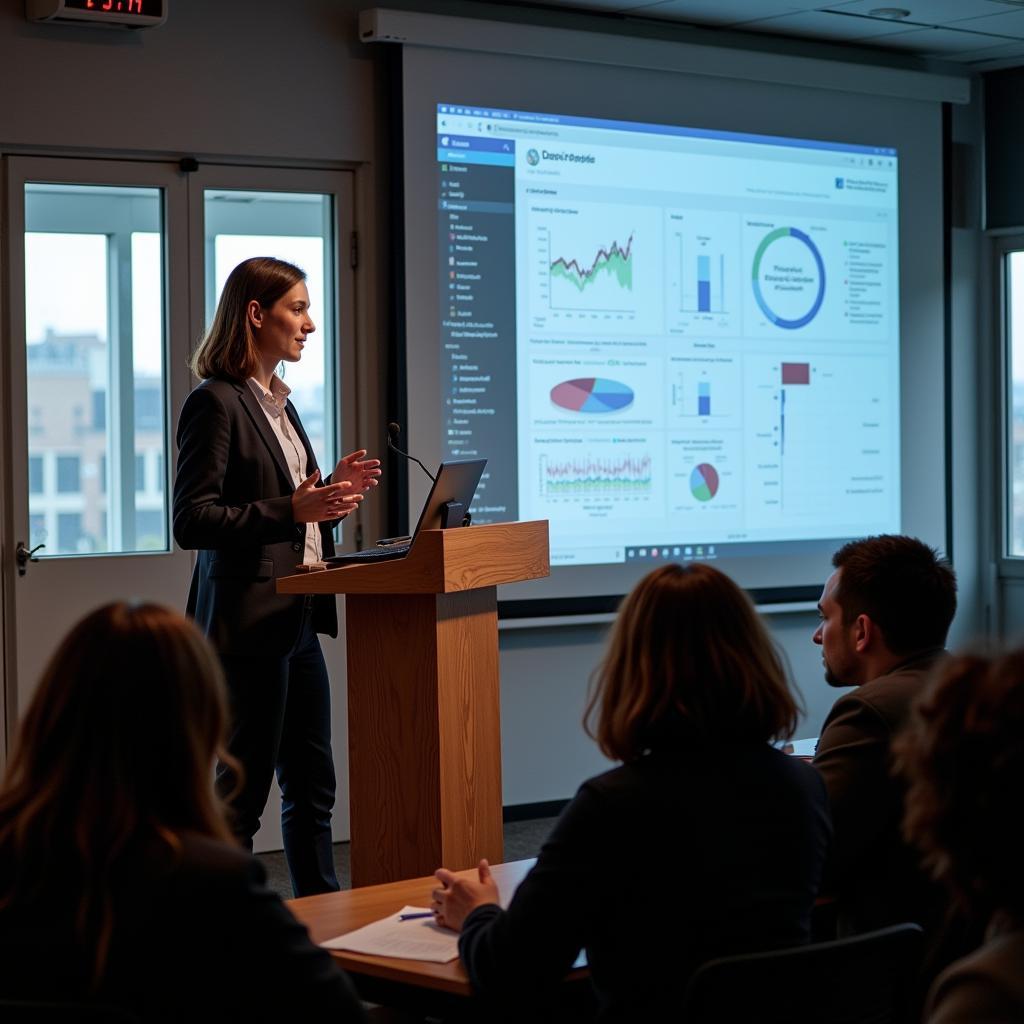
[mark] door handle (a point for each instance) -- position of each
(24, 555)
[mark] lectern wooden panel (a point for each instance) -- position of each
(423, 696)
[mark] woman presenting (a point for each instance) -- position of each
(249, 498)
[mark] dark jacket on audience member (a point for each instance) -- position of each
(873, 873)
(653, 868)
(197, 937)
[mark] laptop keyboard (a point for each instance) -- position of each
(371, 555)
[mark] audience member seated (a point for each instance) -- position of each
(120, 883)
(885, 612)
(705, 841)
(964, 759)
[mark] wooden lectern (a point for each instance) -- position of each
(424, 716)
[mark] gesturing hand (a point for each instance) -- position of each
(312, 504)
(458, 896)
(360, 473)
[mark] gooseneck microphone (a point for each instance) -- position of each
(393, 431)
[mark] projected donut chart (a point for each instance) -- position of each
(788, 322)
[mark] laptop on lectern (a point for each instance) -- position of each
(446, 507)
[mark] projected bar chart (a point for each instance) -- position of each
(796, 373)
(703, 279)
(704, 389)
(704, 398)
(792, 374)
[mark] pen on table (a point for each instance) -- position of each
(410, 917)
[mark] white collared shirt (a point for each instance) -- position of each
(273, 403)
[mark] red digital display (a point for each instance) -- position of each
(151, 8)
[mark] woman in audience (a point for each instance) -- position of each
(964, 758)
(706, 841)
(120, 882)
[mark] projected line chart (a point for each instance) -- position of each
(595, 266)
(586, 476)
(599, 282)
(614, 261)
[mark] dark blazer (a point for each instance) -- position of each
(232, 502)
(198, 936)
(653, 868)
(871, 870)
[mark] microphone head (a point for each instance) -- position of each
(393, 431)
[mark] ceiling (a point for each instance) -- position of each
(981, 35)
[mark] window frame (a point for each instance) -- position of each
(341, 361)
(114, 174)
(1010, 566)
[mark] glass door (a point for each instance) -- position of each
(306, 218)
(303, 217)
(92, 248)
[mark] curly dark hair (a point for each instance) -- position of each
(963, 758)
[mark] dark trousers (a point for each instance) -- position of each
(281, 721)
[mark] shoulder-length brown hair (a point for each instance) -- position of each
(963, 758)
(689, 659)
(117, 747)
(229, 349)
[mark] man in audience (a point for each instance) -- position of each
(884, 613)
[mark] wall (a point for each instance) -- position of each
(544, 675)
(275, 84)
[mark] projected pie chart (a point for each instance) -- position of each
(592, 394)
(789, 278)
(704, 481)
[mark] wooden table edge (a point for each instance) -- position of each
(379, 900)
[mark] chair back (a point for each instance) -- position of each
(864, 979)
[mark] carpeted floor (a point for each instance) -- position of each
(522, 839)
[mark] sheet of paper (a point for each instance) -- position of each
(805, 748)
(418, 939)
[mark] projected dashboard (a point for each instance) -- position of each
(669, 342)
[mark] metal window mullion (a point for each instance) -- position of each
(332, 369)
(120, 394)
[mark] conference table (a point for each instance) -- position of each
(390, 980)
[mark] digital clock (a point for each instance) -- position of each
(128, 13)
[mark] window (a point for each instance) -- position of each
(69, 531)
(298, 227)
(94, 319)
(69, 474)
(1014, 284)
(37, 527)
(35, 474)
